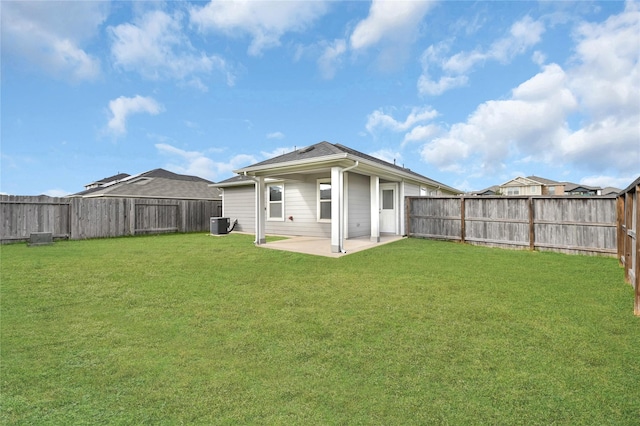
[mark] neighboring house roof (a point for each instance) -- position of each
(568, 187)
(107, 180)
(575, 187)
(237, 180)
(543, 181)
(610, 190)
(157, 183)
(492, 190)
(326, 152)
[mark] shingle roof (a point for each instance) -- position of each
(119, 176)
(543, 180)
(237, 179)
(321, 149)
(324, 149)
(157, 183)
(609, 190)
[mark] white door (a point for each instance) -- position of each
(388, 208)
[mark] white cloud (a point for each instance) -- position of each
(156, 47)
(56, 192)
(532, 123)
(389, 20)
(421, 133)
(606, 81)
(599, 91)
(523, 34)
(378, 119)
(197, 163)
(266, 22)
(391, 27)
(393, 157)
(603, 181)
(275, 135)
(277, 152)
(331, 58)
(50, 35)
(122, 107)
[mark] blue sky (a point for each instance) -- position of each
(471, 94)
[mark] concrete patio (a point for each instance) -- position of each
(322, 246)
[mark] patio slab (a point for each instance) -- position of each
(322, 246)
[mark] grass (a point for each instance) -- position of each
(192, 329)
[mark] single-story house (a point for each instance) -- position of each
(157, 183)
(324, 190)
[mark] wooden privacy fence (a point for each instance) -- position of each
(628, 205)
(585, 225)
(82, 218)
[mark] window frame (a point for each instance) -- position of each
(320, 201)
(269, 202)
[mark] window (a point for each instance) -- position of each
(552, 190)
(513, 191)
(387, 199)
(324, 200)
(275, 202)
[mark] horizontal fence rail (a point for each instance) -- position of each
(83, 218)
(585, 225)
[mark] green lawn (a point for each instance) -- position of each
(193, 329)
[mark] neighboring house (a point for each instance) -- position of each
(535, 185)
(531, 185)
(157, 183)
(325, 190)
(584, 190)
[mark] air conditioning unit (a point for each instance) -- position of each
(219, 225)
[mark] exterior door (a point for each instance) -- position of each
(388, 208)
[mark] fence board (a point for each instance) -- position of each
(566, 224)
(83, 218)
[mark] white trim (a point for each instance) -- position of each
(318, 201)
(396, 204)
(268, 202)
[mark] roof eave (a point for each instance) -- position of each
(290, 165)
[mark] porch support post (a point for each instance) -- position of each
(375, 208)
(260, 211)
(336, 209)
(401, 208)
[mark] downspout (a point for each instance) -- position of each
(341, 201)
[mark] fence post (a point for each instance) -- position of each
(462, 221)
(132, 215)
(532, 230)
(621, 227)
(407, 218)
(636, 261)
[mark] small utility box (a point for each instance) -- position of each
(219, 225)
(40, 239)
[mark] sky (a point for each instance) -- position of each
(471, 94)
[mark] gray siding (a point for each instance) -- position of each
(359, 206)
(411, 190)
(239, 203)
(300, 203)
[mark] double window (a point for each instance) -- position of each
(275, 202)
